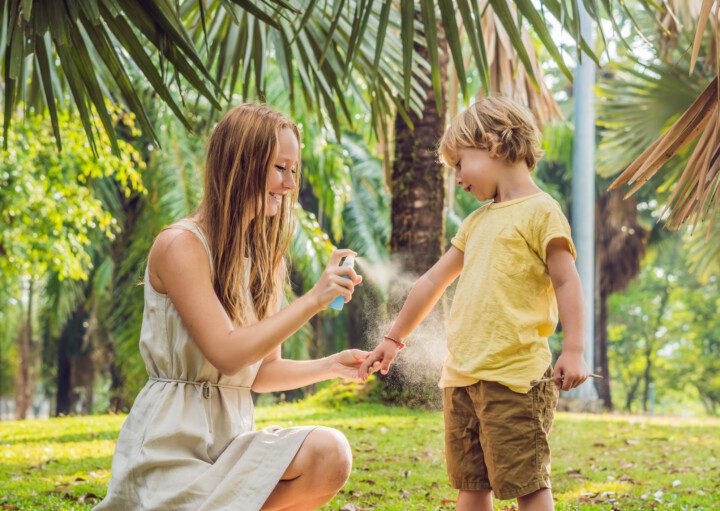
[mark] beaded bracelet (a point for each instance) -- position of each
(399, 344)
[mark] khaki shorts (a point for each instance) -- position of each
(498, 439)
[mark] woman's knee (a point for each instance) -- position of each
(333, 454)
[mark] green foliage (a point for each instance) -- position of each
(56, 220)
(665, 330)
(340, 393)
(49, 212)
(172, 178)
(366, 216)
(640, 95)
(10, 317)
(600, 462)
(425, 395)
(638, 102)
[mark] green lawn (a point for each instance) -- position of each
(600, 462)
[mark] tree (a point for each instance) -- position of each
(663, 332)
(417, 181)
(638, 328)
(53, 222)
(695, 327)
(620, 247)
(637, 99)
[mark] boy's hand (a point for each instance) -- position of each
(570, 370)
(380, 358)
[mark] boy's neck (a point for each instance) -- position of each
(515, 182)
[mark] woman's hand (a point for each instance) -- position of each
(345, 364)
(332, 284)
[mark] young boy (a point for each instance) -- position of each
(515, 259)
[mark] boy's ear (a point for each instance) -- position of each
(494, 144)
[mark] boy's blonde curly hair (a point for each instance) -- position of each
(496, 124)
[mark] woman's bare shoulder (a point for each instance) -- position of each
(175, 252)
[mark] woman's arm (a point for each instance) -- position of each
(277, 374)
(180, 269)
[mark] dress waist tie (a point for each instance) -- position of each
(206, 391)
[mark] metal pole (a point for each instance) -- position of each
(583, 195)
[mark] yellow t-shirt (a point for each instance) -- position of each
(504, 307)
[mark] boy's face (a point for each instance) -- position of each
(477, 173)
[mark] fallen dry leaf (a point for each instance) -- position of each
(627, 479)
(88, 497)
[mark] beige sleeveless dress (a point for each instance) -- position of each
(189, 442)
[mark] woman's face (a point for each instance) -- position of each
(282, 172)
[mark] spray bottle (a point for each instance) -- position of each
(338, 302)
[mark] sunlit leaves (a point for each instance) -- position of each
(48, 211)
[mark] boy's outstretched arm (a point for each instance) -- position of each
(423, 296)
(570, 369)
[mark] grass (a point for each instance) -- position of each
(600, 462)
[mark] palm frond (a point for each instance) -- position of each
(695, 197)
(695, 194)
(518, 74)
(635, 103)
(310, 249)
(366, 222)
(88, 48)
(704, 252)
(85, 48)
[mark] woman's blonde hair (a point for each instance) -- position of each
(241, 151)
(496, 124)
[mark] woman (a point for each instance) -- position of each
(212, 330)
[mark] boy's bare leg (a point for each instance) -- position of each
(540, 500)
(475, 500)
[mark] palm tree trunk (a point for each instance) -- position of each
(418, 190)
(417, 183)
(601, 353)
(117, 382)
(69, 347)
(23, 385)
(620, 245)
(62, 380)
